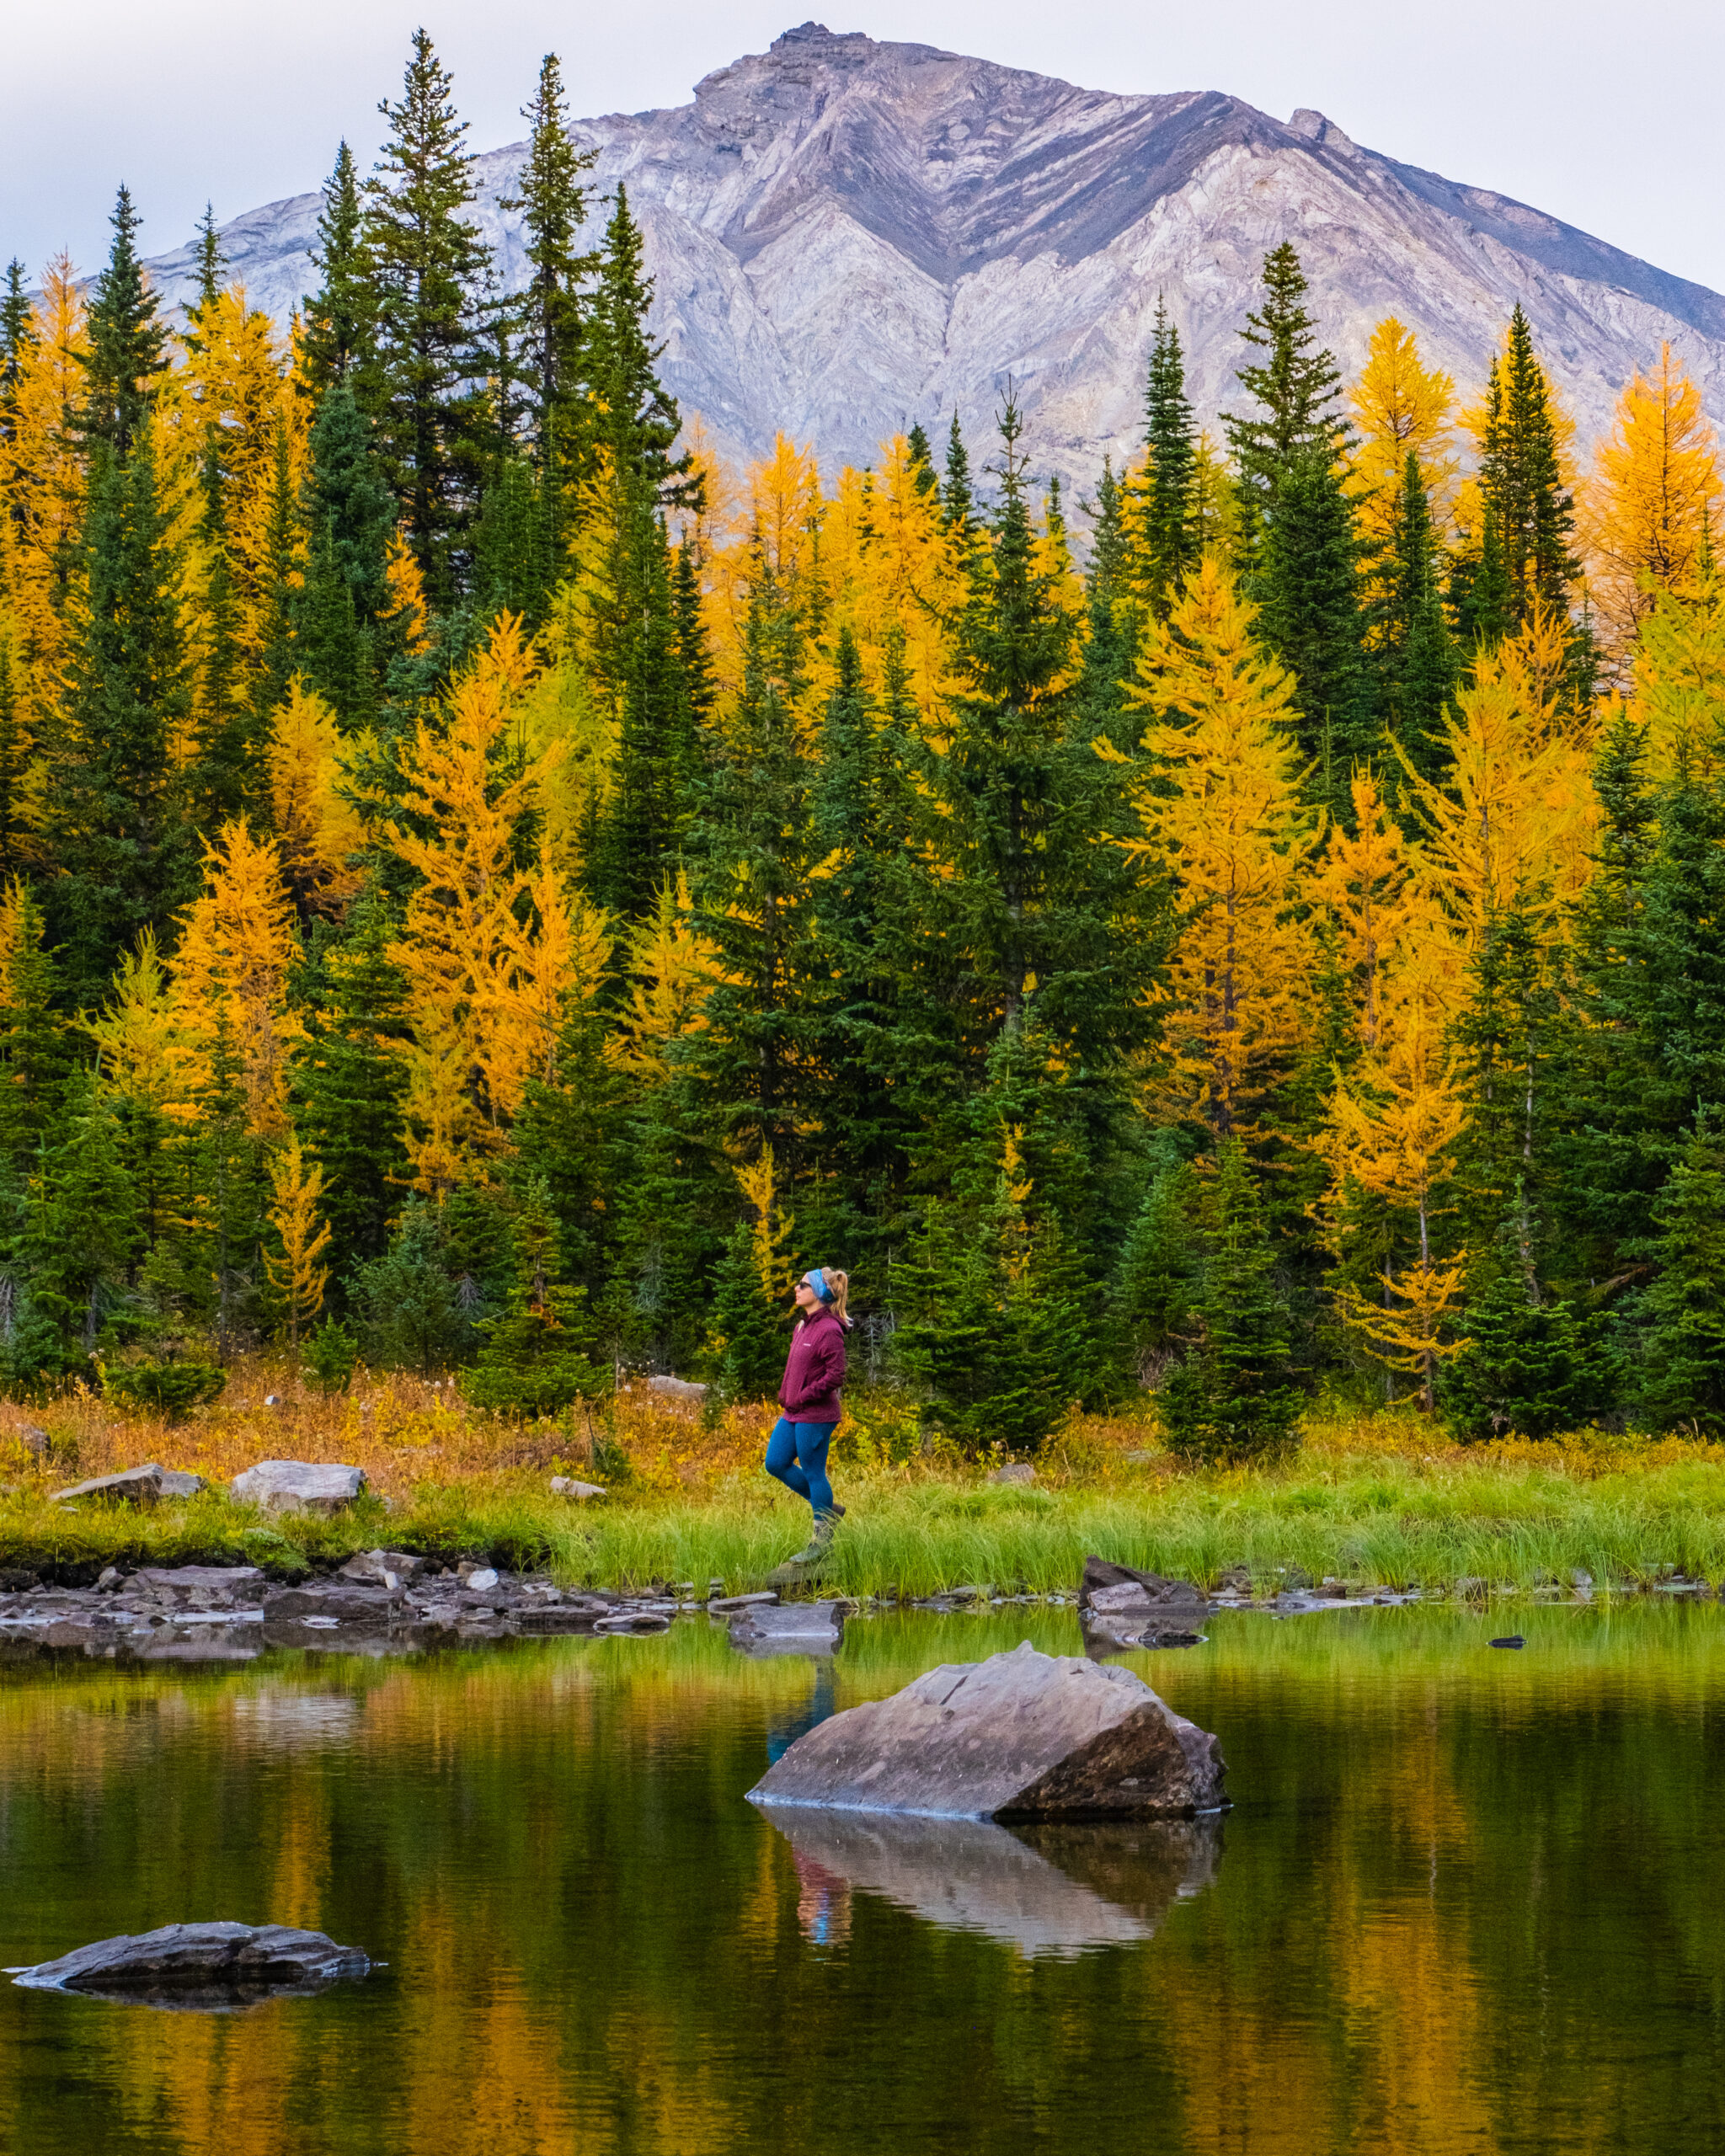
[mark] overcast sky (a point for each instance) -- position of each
(1605, 114)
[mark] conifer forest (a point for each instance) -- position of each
(489, 888)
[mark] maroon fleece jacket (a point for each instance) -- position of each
(814, 1369)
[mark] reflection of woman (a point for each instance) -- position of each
(822, 1903)
(808, 1393)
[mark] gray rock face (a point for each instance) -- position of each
(1015, 1471)
(213, 1964)
(1022, 1736)
(297, 1486)
(849, 235)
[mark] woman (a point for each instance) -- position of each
(808, 1393)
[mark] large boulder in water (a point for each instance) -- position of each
(201, 1964)
(1022, 1736)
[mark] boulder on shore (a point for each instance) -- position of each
(571, 1486)
(670, 1388)
(1022, 1736)
(133, 1485)
(297, 1486)
(212, 1964)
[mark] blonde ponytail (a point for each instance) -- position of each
(839, 1282)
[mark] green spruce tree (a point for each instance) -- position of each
(1682, 1375)
(338, 334)
(114, 819)
(1235, 1395)
(127, 351)
(1171, 545)
(533, 1362)
(425, 260)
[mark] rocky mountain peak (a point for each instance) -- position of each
(849, 233)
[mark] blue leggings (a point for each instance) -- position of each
(796, 1452)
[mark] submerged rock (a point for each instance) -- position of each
(764, 1628)
(212, 1965)
(297, 1486)
(1022, 1736)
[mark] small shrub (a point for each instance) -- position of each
(172, 1388)
(331, 1352)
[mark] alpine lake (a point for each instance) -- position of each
(1468, 1899)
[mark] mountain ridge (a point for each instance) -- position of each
(846, 235)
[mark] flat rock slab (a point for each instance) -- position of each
(1022, 1736)
(135, 1485)
(297, 1486)
(201, 1964)
(348, 1603)
(200, 1586)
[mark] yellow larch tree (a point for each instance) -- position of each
(318, 830)
(778, 522)
(770, 1224)
(1220, 807)
(1392, 1121)
(236, 945)
(902, 585)
(144, 1049)
(1517, 813)
(490, 950)
(1367, 885)
(1400, 408)
(1644, 514)
(42, 489)
(1680, 677)
(672, 969)
(299, 1282)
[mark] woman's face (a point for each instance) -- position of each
(807, 1300)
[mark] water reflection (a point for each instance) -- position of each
(1468, 1906)
(1043, 1890)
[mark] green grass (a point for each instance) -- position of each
(1378, 1519)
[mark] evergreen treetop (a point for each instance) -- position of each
(127, 349)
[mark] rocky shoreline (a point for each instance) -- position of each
(390, 1602)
